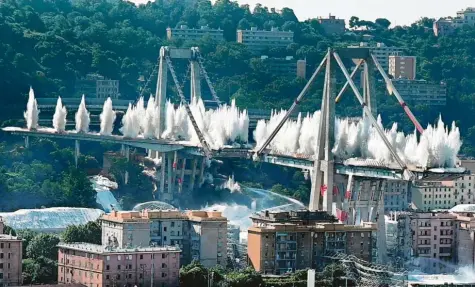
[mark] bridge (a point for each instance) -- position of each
(351, 189)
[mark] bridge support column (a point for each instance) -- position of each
(27, 142)
(194, 164)
(182, 175)
(170, 174)
(195, 77)
(202, 171)
(77, 152)
(127, 157)
(174, 170)
(381, 222)
(369, 93)
(161, 92)
(323, 172)
(162, 174)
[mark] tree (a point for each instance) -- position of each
(43, 245)
(88, 233)
(354, 22)
(27, 236)
(383, 23)
(193, 274)
(246, 278)
(39, 271)
(8, 230)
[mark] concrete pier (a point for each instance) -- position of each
(77, 152)
(177, 173)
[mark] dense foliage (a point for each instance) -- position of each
(90, 232)
(197, 275)
(44, 175)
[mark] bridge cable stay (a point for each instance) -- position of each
(208, 80)
(345, 87)
(203, 142)
(392, 90)
(293, 107)
(149, 79)
(371, 117)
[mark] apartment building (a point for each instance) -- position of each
(97, 85)
(397, 196)
(439, 242)
(381, 52)
(10, 258)
(190, 34)
(287, 66)
(201, 235)
(433, 239)
(443, 27)
(467, 16)
(422, 92)
(429, 196)
(332, 25)
(108, 266)
(282, 242)
(446, 26)
(107, 89)
(433, 195)
(260, 40)
(402, 67)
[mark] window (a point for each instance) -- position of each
(118, 257)
(141, 256)
(1, 265)
(118, 276)
(164, 265)
(1, 245)
(164, 255)
(130, 276)
(108, 258)
(165, 229)
(173, 224)
(107, 277)
(164, 275)
(118, 267)
(107, 267)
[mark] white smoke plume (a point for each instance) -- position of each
(223, 126)
(59, 117)
(82, 117)
(437, 147)
(32, 113)
(107, 117)
(148, 121)
(130, 123)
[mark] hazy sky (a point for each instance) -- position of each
(399, 12)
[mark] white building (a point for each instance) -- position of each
(381, 52)
(189, 34)
(259, 40)
(467, 16)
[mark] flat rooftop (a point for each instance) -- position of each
(100, 249)
(147, 215)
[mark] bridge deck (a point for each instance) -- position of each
(348, 167)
